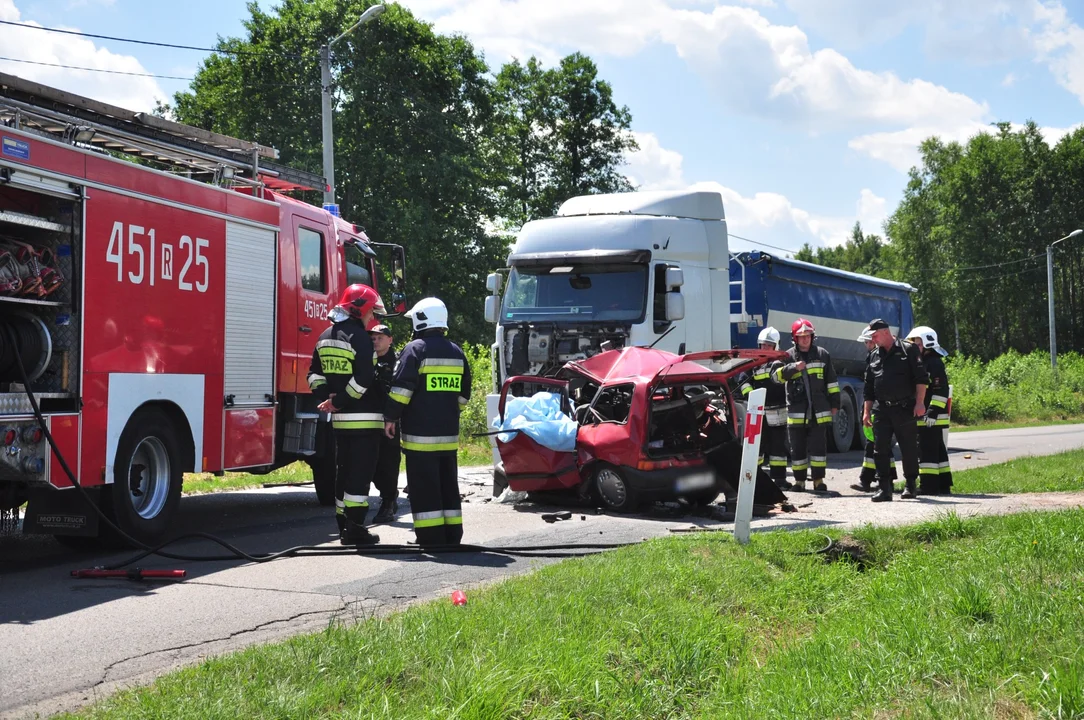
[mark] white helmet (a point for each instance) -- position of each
(866, 336)
(928, 336)
(428, 314)
(769, 335)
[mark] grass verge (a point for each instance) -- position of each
(1014, 424)
(471, 453)
(951, 618)
(1047, 473)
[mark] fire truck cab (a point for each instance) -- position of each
(152, 323)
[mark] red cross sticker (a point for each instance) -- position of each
(753, 423)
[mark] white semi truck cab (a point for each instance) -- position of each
(610, 271)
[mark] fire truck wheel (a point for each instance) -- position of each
(613, 491)
(147, 477)
(323, 476)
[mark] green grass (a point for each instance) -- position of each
(1012, 425)
(949, 619)
(1047, 473)
(471, 453)
(200, 483)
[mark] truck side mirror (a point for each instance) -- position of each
(398, 279)
(491, 308)
(675, 305)
(675, 278)
(493, 285)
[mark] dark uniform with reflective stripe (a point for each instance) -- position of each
(387, 467)
(807, 417)
(935, 475)
(773, 444)
(343, 366)
(869, 463)
(431, 385)
(891, 377)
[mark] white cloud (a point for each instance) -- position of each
(653, 167)
(979, 31)
(126, 91)
(900, 149)
(762, 69)
(766, 217)
(1009, 80)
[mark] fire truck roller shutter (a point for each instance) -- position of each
(250, 315)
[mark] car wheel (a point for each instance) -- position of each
(613, 490)
(147, 477)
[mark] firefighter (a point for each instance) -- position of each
(386, 477)
(774, 441)
(341, 375)
(935, 475)
(869, 465)
(812, 401)
(430, 388)
(896, 382)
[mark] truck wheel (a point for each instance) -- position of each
(841, 432)
(613, 490)
(323, 474)
(147, 477)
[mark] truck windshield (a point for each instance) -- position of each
(588, 293)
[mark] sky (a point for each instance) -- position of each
(805, 114)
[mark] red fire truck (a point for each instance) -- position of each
(164, 324)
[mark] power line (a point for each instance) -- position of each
(142, 42)
(88, 69)
(762, 244)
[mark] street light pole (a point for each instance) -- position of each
(325, 104)
(1050, 296)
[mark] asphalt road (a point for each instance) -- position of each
(67, 642)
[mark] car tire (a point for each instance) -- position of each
(613, 491)
(841, 431)
(147, 477)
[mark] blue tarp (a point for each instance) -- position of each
(539, 417)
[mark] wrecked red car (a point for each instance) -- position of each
(651, 426)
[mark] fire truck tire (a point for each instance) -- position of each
(147, 477)
(323, 475)
(613, 490)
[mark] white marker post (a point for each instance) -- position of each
(754, 420)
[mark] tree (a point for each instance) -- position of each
(414, 115)
(562, 135)
(861, 253)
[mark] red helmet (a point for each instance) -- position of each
(358, 298)
(801, 326)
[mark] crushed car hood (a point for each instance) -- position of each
(643, 365)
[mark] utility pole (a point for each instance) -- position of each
(326, 109)
(1050, 296)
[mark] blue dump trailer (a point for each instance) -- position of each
(767, 290)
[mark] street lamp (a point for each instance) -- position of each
(325, 105)
(1050, 295)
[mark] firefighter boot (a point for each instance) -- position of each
(885, 493)
(340, 521)
(386, 513)
(909, 491)
(355, 532)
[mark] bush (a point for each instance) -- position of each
(473, 419)
(1016, 387)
